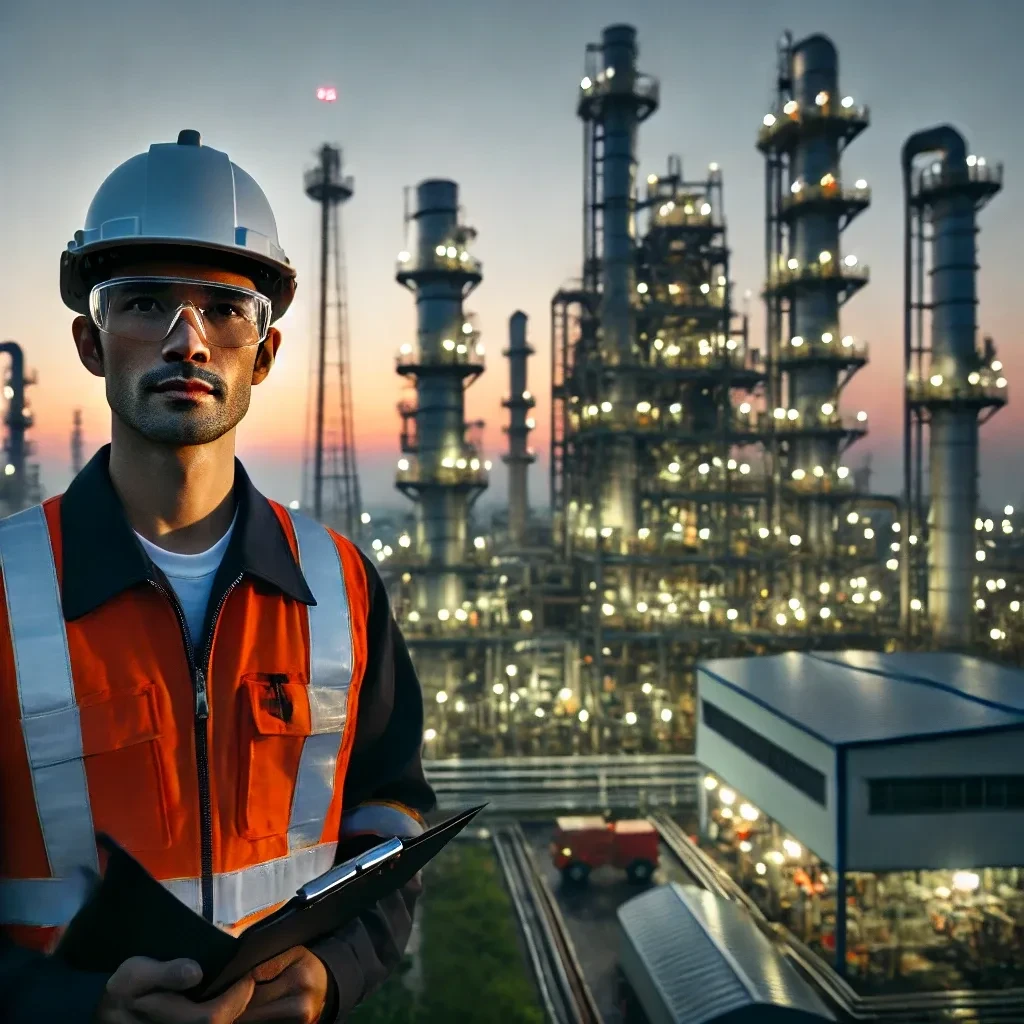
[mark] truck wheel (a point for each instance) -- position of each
(575, 873)
(640, 872)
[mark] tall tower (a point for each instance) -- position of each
(951, 386)
(808, 280)
(614, 99)
(441, 469)
(76, 442)
(19, 483)
(335, 485)
(519, 403)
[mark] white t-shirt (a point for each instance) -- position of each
(191, 576)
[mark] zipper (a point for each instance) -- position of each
(199, 672)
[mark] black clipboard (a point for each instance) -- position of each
(131, 914)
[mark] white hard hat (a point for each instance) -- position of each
(187, 197)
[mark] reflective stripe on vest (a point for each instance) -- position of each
(53, 737)
(330, 671)
(46, 692)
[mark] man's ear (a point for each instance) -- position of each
(87, 342)
(265, 355)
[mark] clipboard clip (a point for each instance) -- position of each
(342, 873)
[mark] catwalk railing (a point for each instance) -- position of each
(518, 785)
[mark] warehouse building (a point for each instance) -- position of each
(884, 777)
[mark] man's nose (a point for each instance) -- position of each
(187, 339)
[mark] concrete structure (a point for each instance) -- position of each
(691, 957)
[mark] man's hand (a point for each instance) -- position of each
(143, 991)
(290, 989)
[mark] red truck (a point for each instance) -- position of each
(581, 844)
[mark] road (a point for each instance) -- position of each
(589, 913)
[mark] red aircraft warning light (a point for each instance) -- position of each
(327, 94)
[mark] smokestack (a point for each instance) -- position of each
(76, 442)
(957, 382)
(518, 403)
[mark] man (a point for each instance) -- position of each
(186, 666)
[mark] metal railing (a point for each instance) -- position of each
(829, 193)
(517, 785)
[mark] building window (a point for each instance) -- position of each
(943, 794)
(797, 773)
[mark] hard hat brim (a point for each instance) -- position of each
(82, 269)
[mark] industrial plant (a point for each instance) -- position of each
(704, 497)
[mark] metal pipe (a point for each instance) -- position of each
(520, 401)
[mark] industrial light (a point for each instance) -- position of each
(703, 469)
(915, 604)
(727, 796)
(440, 250)
(824, 257)
(793, 413)
(973, 377)
(643, 407)
(642, 288)
(862, 416)
(630, 718)
(1008, 510)
(732, 614)
(848, 341)
(996, 365)
(606, 531)
(403, 257)
(705, 288)
(441, 696)
(364, 518)
(869, 533)
(704, 607)
(704, 533)
(749, 812)
(641, 606)
(851, 260)
(822, 98)
(790, 107)
(780, 619)
(479, 543)
(586, 83)
(511, 671)
(860, 183)
(799, 474)
(539, 713)
(792, 847)
(744, 468)
(608, 609)
(705, 209)
(762, 532)
(793, 263)
(652, 179)
(745, 408)
(828, 408)
(460, 614)
(875, 595)
(825, 612)
(605, 407)
(647, 688)
(429, 734)
(980, 556)
(513, 697)
(796, 342)
(583, 715)
(1000, 382)
(677, 527)
(843, 472)
(403, 464)
(768, 120)
(892, 564)
(847, 102)
(858, 598)
(965, 881)
(760, 868)
(666, 715)
(710, 782)
(819, 471)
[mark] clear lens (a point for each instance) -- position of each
(148, 308)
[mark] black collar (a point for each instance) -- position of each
(103, 557)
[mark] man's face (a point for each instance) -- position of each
(183, 390)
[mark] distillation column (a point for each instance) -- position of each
(15, 487)
(806, 137)
(519, 403)
(614, 101)
(442, 471)
(958, 382)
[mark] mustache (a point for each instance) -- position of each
(155, 378)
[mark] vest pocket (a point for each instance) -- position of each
(127, 784)
(275, 722)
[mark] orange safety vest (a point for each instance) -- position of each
(223, 777)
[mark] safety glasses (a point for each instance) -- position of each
(148, 308)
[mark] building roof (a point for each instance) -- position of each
(702, 958)
(858, 697)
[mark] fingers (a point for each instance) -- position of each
(170, 1008)
(140, 975)
(292, 1010)
(270, 969)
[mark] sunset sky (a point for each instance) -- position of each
(483, 93)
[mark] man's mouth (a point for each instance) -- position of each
(181, 386)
